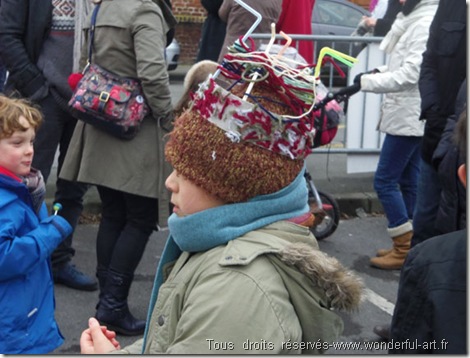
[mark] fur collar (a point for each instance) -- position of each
(342, 287)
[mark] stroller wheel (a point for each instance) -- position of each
(327, 218)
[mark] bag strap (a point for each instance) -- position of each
(92, 31)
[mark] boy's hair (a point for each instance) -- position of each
(10, 111)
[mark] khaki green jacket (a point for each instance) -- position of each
(269, 291)
(130, 40)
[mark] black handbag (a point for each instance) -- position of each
(112, 103)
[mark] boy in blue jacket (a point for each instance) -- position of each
(27, 238)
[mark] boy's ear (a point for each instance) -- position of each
(462, 174)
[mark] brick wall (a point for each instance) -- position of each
(190, 15)
(188, 35)
(188, 10)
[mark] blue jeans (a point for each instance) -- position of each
(396, 178)
(427, 204)
(56, 132)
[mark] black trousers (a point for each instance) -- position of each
(126, 225)
(55, 134)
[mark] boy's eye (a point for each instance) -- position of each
(17, 141)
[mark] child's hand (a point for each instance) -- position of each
(97, 339)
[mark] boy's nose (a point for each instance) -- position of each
(169, 182)
(30, 150)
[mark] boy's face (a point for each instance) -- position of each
(187, 197)
(16, 152)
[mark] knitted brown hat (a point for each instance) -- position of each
(234, 172)
(247, 129)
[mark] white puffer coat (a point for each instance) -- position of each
(405, 42)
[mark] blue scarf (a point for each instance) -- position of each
(209, 228)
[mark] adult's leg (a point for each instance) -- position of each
(55, 133)
(395, 158)
(396, 155)
(113, 220)
(141, 220)
(409, 181)
(68, 194)
(122, 256)
(427, 204)
(48, 136)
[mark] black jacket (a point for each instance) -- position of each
(451, 214)
(384, 24)
(442, 71)
(24, 25)
(432, 301)
(213, 32)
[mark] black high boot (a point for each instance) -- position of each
(101, 275)
(112, 309)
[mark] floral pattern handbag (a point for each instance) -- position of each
(107, 101)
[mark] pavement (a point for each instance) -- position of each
(354, 192)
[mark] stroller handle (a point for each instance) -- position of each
(340, 96)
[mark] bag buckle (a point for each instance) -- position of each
(104, 96)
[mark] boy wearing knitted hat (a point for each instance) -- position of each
(240, 274)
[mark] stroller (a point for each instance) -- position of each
(326, 109)
(323, 205)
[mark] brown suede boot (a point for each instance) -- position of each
(401, 236)
(383, 252)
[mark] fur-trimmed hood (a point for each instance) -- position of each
(270, 285)
(317, 283)
(295, 247)
(341, 286)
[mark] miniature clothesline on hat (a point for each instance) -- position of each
(294, 84)
(297, 84)
(290, 135)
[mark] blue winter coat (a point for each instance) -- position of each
(27, 323)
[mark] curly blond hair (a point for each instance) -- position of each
(11, 109)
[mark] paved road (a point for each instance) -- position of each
(352, 244)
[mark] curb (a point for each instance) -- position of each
(356, 204)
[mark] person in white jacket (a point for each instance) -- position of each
(397, 172)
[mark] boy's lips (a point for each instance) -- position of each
(176, 208)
